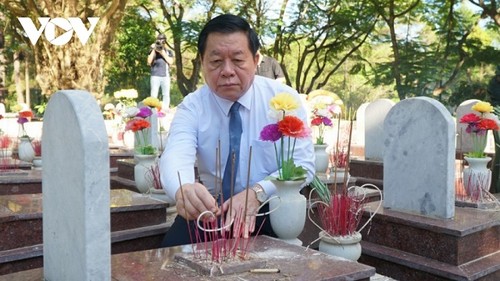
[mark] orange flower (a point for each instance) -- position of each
(487, 124)
(137, 124)
(26, 114)
(291, 126)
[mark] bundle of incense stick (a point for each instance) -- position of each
(227, 237)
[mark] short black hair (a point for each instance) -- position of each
(228, 23)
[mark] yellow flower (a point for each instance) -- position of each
(284, 101)
(16, 108)
(152, 102)
(483, 107)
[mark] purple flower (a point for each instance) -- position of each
(144, 112)
(326, 121)
(270, 132)
(22, 120)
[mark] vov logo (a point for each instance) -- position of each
(49, 26)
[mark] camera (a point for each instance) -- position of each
(158, 45)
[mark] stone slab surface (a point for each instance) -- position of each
(294, 263)
(21, 215)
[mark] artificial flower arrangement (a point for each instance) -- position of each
(322, 117)
(478, 126)
(139, 123)
(287, 130)
(109, 111)
(325, 106)
(24, 117)
(126, 96)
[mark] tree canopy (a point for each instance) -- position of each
(360, 51)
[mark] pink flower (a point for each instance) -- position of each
(270, 132)
(144, 112)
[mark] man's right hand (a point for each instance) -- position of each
(193, 199)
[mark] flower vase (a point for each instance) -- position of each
(338, 175)
(25, 150)
(348, 247)
(322, 158)
(142, 171)
(288, 211)
(37, 162)
(477, 178)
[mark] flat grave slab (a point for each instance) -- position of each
(293, 262)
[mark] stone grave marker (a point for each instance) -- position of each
(359, 136)
(154, 130)
(375, 114)
(76, 189)
(419, 159)
(464, 142)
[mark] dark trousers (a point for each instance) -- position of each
(178, 234)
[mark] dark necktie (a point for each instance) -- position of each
(234, 149)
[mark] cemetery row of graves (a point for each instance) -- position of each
(427, 223)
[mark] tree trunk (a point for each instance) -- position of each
(16, 77)
(74, 65)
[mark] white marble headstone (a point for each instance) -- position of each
(375, 114)
(419, 160)
(360, 124)
(76, 189)
(154, 137)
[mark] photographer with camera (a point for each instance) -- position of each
(159, 59)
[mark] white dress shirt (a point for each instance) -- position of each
(201, 121)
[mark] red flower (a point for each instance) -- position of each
(26, 114)
(316, 121)
(291, 126)
(487, 124)
(137, 124)
(470, 118)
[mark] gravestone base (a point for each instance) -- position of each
(367, 171)
(138, 222)
(486, 205)
(466, 247)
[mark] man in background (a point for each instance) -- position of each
(270, 68)
(160, 59)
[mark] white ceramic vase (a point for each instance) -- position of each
(25, 150)
(322, 158)
(143, 176)
(348, 247)
(288, 211)
(338, 175)
(477, 178)
(37, 162)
